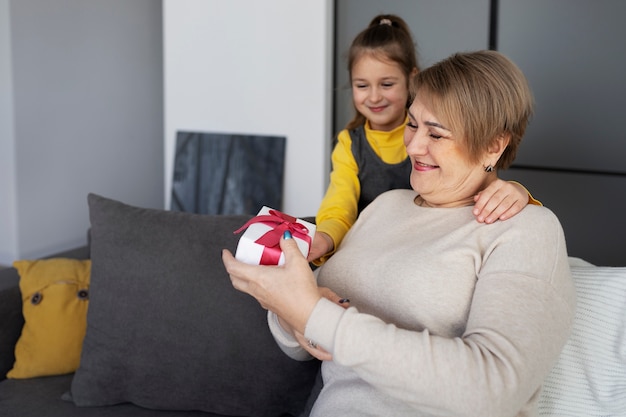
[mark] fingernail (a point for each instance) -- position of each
(287, 235)
(344, 300)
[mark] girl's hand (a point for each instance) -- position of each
(321, 245)
(332, 296)
(500, 200)
(289, 290)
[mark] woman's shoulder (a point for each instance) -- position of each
(539, 216)
(537, 226)
(396, 195)
(390, 201)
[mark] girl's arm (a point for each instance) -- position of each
(339, 208)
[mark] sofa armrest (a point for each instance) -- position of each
(11, 319)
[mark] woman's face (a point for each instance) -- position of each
(442, 172)
(379, 91)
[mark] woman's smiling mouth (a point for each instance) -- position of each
(419, 166)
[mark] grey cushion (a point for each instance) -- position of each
(165, 327)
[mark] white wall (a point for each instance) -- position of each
(8, 217)
(84, 112)
(253, 67)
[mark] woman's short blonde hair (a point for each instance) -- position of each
(479, 96)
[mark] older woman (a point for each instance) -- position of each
(447, 316)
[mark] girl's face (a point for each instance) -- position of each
(442, 172)
(379, 91)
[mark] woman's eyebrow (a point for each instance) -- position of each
(438, 125)
(432, 124)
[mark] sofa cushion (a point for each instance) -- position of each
(165, 327)
(589, 378)
(41, 397)
(55, 295)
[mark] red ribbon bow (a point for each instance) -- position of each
(279, 222)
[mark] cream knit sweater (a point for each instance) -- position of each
(448, 316)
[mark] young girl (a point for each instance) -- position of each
(369, 156)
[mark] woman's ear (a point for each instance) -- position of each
(499, 145)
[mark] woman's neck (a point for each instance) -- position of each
(420, 201)
(462, 201)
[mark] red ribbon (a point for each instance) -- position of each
(279, 222)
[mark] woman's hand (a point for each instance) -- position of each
(290, 290)
(500, 200)
(322, 244)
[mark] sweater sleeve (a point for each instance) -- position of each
(285, 341)
(339, 208)
(520, 317)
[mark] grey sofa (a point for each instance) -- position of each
(199, 347)
(167, 335)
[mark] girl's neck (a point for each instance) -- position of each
(400, 124)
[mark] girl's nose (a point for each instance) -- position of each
(375, 95)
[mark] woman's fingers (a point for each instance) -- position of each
(289, 290)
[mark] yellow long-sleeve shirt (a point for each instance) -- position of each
(338, 210)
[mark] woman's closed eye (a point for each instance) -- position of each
(413, 126)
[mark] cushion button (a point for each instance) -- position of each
(83, 294)
(36, 298)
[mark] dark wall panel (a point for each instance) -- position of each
(590, 208)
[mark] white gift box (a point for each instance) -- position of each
(269, 225)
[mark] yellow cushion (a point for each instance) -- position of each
(55, 295)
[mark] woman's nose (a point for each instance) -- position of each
(414, 142)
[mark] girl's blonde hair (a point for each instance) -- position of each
(480, 96)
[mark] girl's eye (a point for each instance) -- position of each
(388, 85)
(411, 125)
(435, 136)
